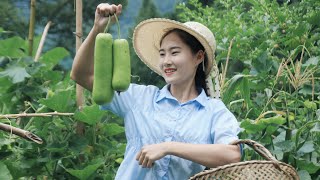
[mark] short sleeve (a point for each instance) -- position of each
(122, 102)
(225, 127)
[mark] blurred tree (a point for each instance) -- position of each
(62, 14)
(145, 75)
(10, 21)
(206, 2)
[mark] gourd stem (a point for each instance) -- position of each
(107, 27)
(119, 32)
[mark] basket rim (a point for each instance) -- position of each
(243, 163)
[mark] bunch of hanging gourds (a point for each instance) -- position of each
(112, 67)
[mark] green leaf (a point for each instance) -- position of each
(271, 129)
(119, 160)
(86, 172)
(52, 76)
(57, 147)
(5, 173)
(233, 84)
(304, 175)
(314, 18)
(59, 123)
(262, 63)
(54, 56)
(78, 143)
(285, 146)
(112, 129)
(245, 91)
(311, 167)
(252, 127)
(59, 102)
(13, 47)
(15, 72)
(306, 148)
(5, 84)
(310, 105)
(279, 120)
(313, 61)
(6, 142)
(90, 114)
(316, 128)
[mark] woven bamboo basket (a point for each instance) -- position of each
(269, 169)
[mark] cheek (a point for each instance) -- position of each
(160, 64)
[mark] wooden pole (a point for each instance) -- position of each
(20, 132)
(79, 89)
(31, 25)
(43, 38)
(49, 114)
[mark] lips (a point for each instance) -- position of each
(169, 71)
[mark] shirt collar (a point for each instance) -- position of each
(165, 93)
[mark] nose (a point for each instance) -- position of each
(167, 61)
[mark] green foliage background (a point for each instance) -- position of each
(272, 86)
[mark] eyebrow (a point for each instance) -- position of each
(171, 48)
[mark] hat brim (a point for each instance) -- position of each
(147, 36)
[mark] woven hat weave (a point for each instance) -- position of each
(148, 33)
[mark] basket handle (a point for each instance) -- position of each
(260, 149)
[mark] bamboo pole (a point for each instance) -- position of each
(79, 89)
(41, 44)
(31, 25)
(22, 133)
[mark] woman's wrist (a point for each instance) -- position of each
(168, 147)
(96, 29)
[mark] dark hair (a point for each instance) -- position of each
(195, 47)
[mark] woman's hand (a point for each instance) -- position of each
(103, 11)
(150, 153)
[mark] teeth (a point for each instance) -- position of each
(171, 70)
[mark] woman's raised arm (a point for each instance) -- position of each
(82, 67)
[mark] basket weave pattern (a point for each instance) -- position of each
(250, 170)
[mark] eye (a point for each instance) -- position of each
(162, 54)
(175, 52)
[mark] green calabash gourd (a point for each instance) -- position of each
(102, 91)
(112, 66)
(121, 65)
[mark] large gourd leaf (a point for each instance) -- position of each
(60, 101)
(53, 57)
(15, 72)
(13, 47)
(90, 114)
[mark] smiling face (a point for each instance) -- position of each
(178, 63)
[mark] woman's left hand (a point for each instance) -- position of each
(150, 153)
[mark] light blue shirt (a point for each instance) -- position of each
(153, 116)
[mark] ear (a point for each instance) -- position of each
(199, 57)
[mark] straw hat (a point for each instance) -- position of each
(148, 33)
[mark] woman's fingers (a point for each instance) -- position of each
(144, 160)
(149, 164)
(105, 9)
(141, 159)
(119, 9)
(138, 156)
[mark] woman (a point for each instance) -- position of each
(173, 132)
